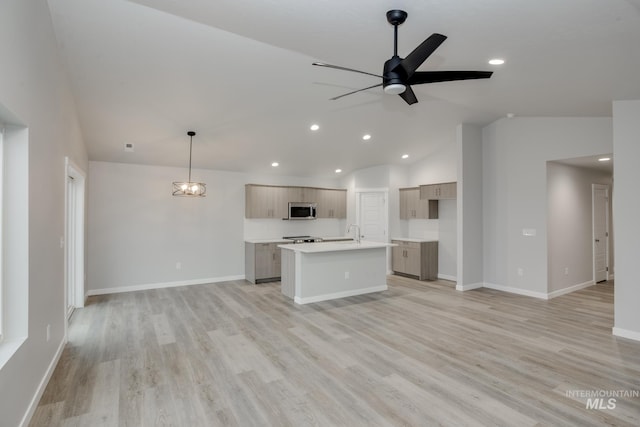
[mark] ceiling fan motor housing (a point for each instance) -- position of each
(392, 75)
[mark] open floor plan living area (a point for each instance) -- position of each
(363, 213)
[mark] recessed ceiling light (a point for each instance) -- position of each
(496, 61)
(275, 164)
(366, 137)
(604, 159)
(405, 156)
(338, 170)
(314, 127)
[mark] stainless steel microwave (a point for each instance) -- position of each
(302, 210)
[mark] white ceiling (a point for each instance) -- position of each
(239, 73)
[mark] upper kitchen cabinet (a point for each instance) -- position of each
(445, 190)
(270, 201)
(303, 194)
(266, 201)
(332, 203)
(413, 207)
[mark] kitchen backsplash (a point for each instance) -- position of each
(270, 228)
(423, 229)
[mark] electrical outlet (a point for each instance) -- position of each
(346, 274)
(178, 265)
(520, 272)
(48, 332)
(566, 271)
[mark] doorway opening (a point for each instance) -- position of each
(579, 237)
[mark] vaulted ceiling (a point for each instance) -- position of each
(239, 73)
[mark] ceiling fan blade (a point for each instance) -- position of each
(408, 96)
(415, 59)
(446, 76)
(337, 67)
(355, 91)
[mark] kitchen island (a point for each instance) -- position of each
(313, 272)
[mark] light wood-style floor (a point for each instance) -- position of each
(419, 354)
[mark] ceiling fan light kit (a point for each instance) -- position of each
(189, 188)
(400, 73)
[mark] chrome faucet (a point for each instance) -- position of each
(357, 234)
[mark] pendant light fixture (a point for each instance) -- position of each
(189, 188)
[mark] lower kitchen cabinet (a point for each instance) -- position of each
(262, 262)
(415, 259)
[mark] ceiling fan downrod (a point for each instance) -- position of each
(396, 17)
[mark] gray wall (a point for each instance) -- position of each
(34, 88)
(570, 224)
(470, 239)
(626, 211)
(515, 155)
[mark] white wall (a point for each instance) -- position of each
(626, 211)
(35, 89)
(570, 224)
(138, 233)
(515, 152)
(439, 166)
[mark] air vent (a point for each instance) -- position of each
(128, 147)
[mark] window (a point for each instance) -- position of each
(1, 234)
(14, 238)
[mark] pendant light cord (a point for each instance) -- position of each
(190, 149)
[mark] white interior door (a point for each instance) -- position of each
(70, 241)
(600, 232)
(74, 237)
(372, 216)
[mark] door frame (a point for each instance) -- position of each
(74, 256)
(595, 187)
(385, 191)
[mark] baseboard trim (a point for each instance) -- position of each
(511, 290)
(626, 333)
(343, 294)
(144, 287)
(469, 286)
(447, 277)
(33, 405)
(570, 289)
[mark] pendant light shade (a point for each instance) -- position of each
(189, 188)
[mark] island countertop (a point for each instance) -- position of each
(348, 245)
(414, 239)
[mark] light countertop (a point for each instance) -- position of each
(413, 239)
(267, 241)
(348, 245)
(281, 240)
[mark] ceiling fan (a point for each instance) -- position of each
(399, 74)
